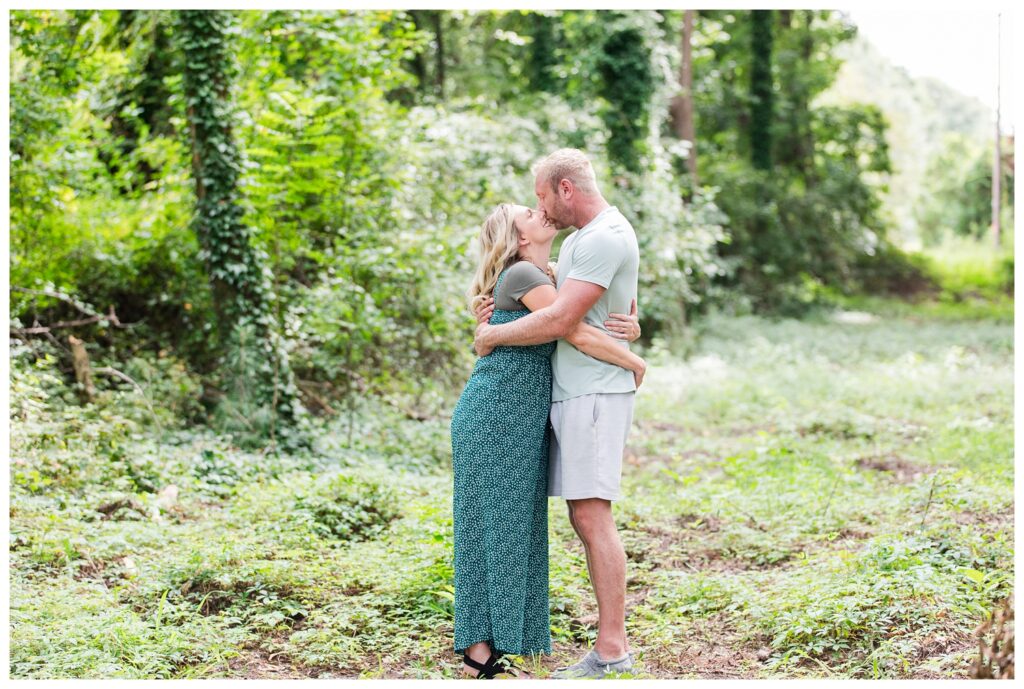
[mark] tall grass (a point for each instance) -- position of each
(967, 267)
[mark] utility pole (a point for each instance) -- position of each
(997, 161)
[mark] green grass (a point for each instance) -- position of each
(966, 266)
(831, 497)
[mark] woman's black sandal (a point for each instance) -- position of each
(497, 664)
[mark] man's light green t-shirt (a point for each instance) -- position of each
(604, 252)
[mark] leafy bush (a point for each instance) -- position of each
(891, 271)
(347, 509)
(898, 590)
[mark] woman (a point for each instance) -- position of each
(500, 452)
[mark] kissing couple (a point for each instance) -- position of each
(544, 414)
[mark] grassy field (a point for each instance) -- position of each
(830, 497)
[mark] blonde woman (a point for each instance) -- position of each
(500, 452)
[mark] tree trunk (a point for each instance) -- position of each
(439, 35)
(761, 109)
(417, 63)
(83, 372)
(682, 104)
(542, 56)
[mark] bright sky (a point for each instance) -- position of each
(956, 46)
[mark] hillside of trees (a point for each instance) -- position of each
(938, 139)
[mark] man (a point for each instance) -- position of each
(592, 402)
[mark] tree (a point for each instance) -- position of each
(236, 269)
(997, 158)
(682, 103)
(761, 100)
(628, 85)
(542, 52)
(431, 21)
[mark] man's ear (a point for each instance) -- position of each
(565, 189)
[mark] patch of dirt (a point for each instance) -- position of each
(853, 533)
(356, 589)
(711, 649)
(901, 470)
(699, 522)
(708, 560)
(680, 548)
(841, 429)
(191, 511)
(989, 521)
(258, 663)
(123, 509)
(938, 649)
(109, 572)
(686, 547)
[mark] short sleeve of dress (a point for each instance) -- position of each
(520, 279)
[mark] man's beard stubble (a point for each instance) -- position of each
(561, 217)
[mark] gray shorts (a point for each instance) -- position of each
(587, 445)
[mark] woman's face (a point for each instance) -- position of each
(534, 227)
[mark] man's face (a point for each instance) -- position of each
(552, 205)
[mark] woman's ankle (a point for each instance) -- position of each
(480, 652)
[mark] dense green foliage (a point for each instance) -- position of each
(958, 184)
(810, 214)
(357, 153)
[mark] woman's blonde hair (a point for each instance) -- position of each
(499, 246)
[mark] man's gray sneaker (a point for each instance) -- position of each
(592, 667)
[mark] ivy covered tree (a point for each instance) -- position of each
(761, 86)
(240, 282)
(628, 84)
(542, 58)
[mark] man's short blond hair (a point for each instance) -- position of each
(571, 164)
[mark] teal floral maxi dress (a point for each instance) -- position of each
(499, 500)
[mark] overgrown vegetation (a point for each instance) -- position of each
(825, 497)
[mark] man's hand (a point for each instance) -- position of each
(639, 373)
(484, 311)
(480, 343)
(623, 327)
